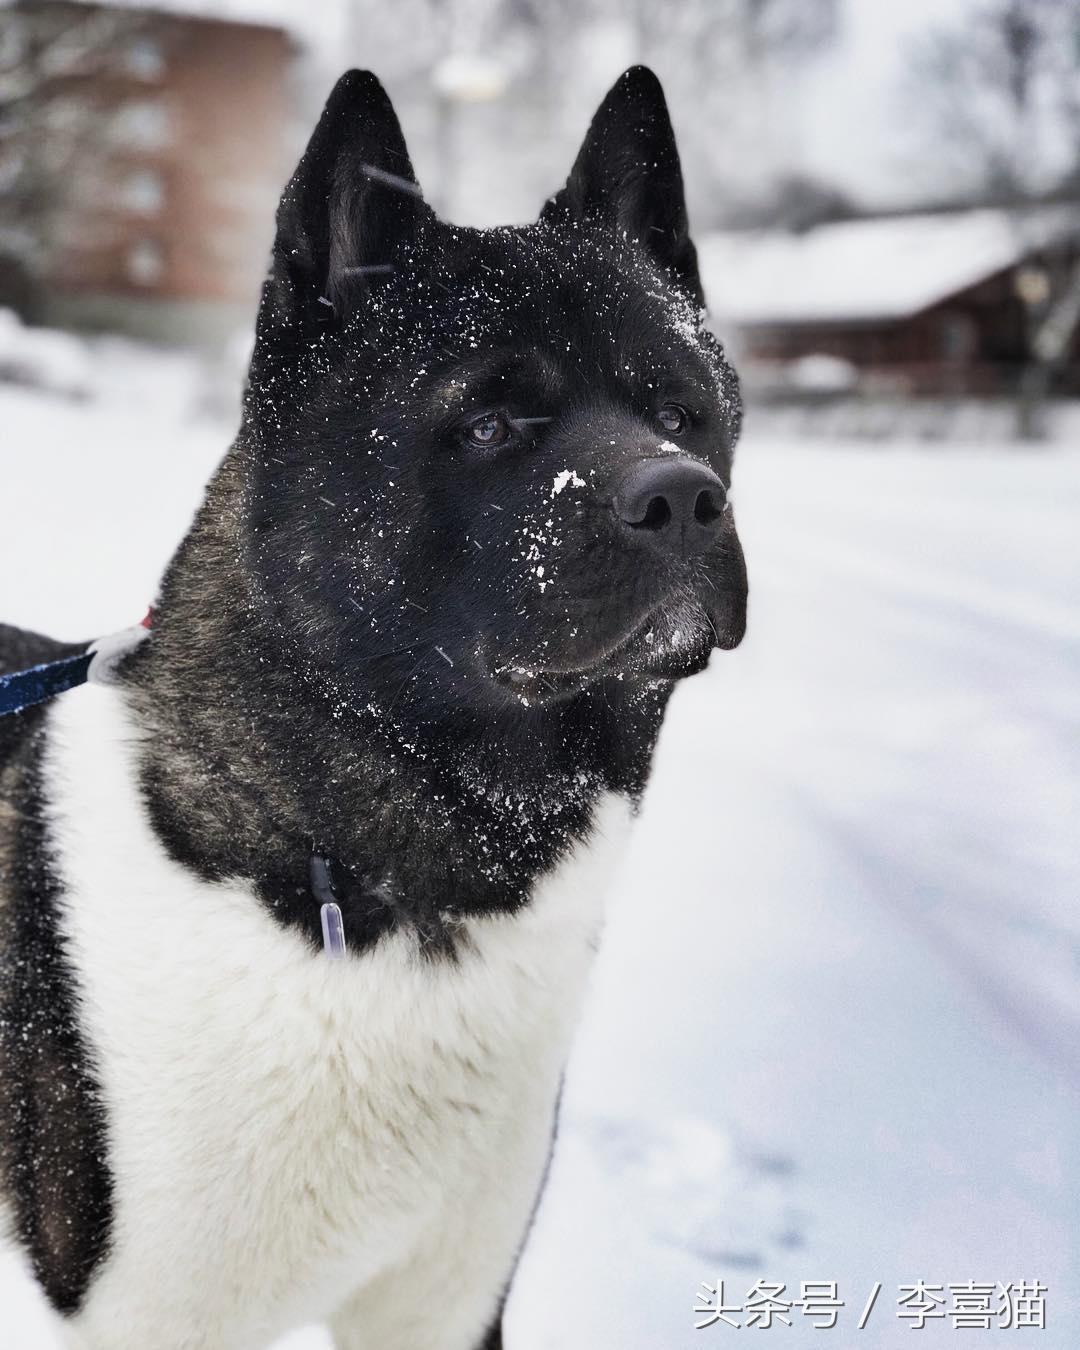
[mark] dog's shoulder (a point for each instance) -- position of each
(21, 648)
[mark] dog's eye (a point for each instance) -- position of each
(673, 417)
(491, 429)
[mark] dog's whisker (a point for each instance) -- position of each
(368, 269)
(392, 651)
(390, 180)
(423, 657)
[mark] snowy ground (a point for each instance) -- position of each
(835, 1030)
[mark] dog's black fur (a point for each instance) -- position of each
(330, 651)
(423, 656)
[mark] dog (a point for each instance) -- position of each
(297, 913)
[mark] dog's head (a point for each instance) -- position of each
(491, 467)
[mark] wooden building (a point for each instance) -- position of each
(924, 304)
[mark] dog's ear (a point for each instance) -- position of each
(344, 215)
(627, 174)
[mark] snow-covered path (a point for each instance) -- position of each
(835, 1028)
(834, 1031)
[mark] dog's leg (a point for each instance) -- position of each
(413, 1307)
(494, 1339)
(350, 1335)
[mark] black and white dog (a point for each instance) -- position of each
(413, 655)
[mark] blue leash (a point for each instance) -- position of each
(23, 688)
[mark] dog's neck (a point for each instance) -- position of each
(251, 761)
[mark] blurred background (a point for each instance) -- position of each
(887, 199)
(850, 1052)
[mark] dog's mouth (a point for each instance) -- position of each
(670, 643)
(534, 685)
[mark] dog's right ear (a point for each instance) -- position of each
(344, 214)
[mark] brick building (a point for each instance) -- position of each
(167, 225)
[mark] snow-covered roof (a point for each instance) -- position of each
(884, 268)
(314, 24)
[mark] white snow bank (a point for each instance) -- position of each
(43, 358)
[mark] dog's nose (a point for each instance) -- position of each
(679, 503)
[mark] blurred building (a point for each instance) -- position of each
(931, 304)
(168, 136)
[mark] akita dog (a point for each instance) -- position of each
(297, 912)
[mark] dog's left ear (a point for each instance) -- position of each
(627, 174)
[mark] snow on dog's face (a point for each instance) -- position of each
(492, 466)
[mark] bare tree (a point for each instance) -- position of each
(55, 115)
(718, 59)
(1000, 95)
(730, 66)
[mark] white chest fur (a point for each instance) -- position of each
(288, 1133)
